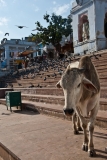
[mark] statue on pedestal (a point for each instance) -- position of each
(85, 29)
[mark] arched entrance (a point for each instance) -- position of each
(83, 28)
(105, 25)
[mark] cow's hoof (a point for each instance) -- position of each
(76, 132)
(85, 148)
(80, 129)
(92, 153)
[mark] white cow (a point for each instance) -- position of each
(81, 88)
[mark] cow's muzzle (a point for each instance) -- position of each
(68, 112)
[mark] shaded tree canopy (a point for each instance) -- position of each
(35, 38)
(56, 28)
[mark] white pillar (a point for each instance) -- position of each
(7, 57)
(16, 52)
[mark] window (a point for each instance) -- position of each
(11, 54)
(39, 52)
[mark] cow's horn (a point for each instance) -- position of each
(68, 67)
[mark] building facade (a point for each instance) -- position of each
(89, 25)
(13, 47)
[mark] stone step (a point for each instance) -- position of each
(38, 79)
(52, 91)
(3, 90)
(26, 82)
(52, 99)
(41, 91)
(57, 111)
(34, 80)
(42, 84)
(103, 104)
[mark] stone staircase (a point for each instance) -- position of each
(49, 100)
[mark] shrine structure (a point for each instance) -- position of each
(89, 25)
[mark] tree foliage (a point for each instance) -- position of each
(56, 28)
(35, 38)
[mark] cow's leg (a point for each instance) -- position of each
(90, 144)
(91, 130)
(74, 124)
(79, 124)
(84, 126)
(85, 142)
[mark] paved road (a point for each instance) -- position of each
(32, 136)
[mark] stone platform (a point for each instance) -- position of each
(28, 135)
(56, 110)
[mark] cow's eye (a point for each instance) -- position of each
(78, 85)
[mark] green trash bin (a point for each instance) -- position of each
(13, 99)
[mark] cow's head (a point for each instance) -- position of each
(72, 83)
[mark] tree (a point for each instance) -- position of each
(57, 27)
(35, 38)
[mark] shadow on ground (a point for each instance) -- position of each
(100, 135)
(25, 111)
(103, 155)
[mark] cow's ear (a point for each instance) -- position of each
(68, 70)
(58, 85)
(89, 85)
